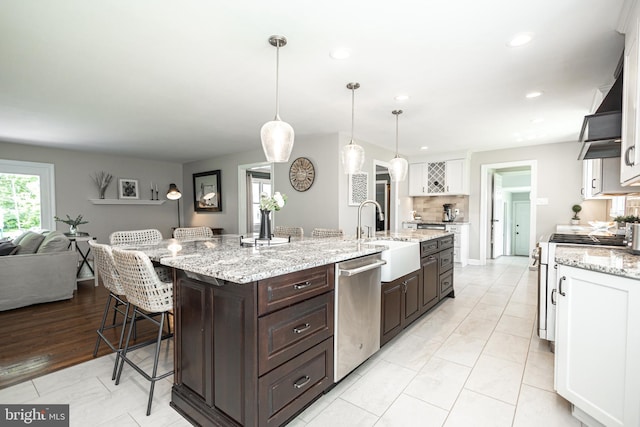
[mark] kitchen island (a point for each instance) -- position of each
(254, 326)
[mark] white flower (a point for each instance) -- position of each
(278, 199)
(274, 203)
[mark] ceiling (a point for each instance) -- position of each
(186, 80)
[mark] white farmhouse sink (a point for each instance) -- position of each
(402, 258)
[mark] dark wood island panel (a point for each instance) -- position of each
(238, 365)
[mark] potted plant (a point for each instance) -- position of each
(72, 223)
(576, 219)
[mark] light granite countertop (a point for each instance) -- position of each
(222, 257)
(618, 261)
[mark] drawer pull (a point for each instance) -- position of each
(302, 328)
(301, 382)
(304, 285)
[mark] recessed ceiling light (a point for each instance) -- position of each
(533, 94)
(401, 97)
(340, 53)
(520, 39)
(424, 147)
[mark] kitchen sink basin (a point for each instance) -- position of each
(401, 257)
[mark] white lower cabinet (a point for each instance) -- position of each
(460, 242)
(597, 359)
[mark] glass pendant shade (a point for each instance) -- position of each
(352, 158)
(352, 154)
(277, 136)
(398, 169)
(398, 166)
(277, 140)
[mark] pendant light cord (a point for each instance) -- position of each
(277, 79)
(353, 95)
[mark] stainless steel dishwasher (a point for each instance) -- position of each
(357, 313)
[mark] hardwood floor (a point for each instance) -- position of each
(43, 338)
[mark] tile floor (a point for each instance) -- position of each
(473, 361)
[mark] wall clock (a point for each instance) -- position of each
(301, 174)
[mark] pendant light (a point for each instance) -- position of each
(399, 166)
(276, 135)
(352, 153)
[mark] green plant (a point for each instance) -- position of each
(628, 218)
(273, 203)
(72, 222)
(576, 209)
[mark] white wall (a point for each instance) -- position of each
(559, 181)
(316, 207)
(74, 187)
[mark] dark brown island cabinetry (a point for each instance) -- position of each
(252, 354)
(409, 297)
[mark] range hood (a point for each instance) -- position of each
(601, 132)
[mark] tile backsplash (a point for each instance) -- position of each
(430, 208)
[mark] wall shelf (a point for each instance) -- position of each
(126, 202)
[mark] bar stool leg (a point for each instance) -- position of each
(126, 344)
(101, 328)
(124, 325)
(155, 363)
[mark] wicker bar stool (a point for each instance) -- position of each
(326, 232)
(190, 232)
(135, 237)
(148, 295)
(148, 236)
(280, 231)
(106, 270)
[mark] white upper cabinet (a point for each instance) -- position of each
(601, 179)
(439, 178)
(630, 158)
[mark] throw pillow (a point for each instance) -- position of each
(55, 241)
(7, 248)
(18, 239)
(29, 244)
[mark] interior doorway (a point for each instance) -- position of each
(385, 194)
(500, 230)
(253, 179)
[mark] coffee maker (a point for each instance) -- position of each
(447, 214)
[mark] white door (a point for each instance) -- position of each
(521, 213)
(497, 218)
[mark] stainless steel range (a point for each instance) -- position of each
(547, 272)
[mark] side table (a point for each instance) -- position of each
(83, 258)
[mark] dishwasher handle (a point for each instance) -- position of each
(362, 269)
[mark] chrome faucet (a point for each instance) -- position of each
(359, 228)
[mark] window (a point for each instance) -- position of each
(27, 199)
(258, 186)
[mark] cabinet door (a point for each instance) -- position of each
(430, 281)
(417, 179)
(391, 310)
(598, 345)
(436, 177)
(411, 299)
(455, 176)
(630, 159)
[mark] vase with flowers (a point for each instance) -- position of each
(267, 205)
(72, 223)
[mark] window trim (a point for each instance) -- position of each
(46, 172)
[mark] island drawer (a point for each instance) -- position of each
(446, 283)
(445, 242)
(446, 260)
(428, 247)
(282, 291)
(288, 388)
(288, 332)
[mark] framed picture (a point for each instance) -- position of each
(128, 188)
(206, 191)
(358, 188)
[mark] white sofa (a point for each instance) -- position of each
(47, 275)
